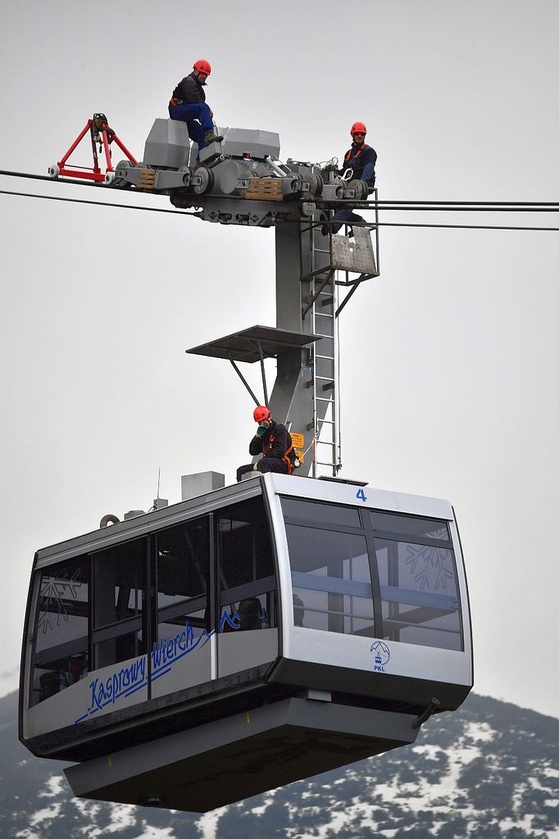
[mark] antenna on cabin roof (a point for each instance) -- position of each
(159, 503)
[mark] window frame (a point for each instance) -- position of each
(373, 536)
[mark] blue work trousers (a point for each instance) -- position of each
(198, 118)
(344, 215)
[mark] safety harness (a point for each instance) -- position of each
(289, 456)
(350, 156)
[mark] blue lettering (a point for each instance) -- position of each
(233, 621)
(121, 683)
(164, 653)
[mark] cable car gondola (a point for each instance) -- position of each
(237, 641)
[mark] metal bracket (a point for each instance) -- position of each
(431, 709)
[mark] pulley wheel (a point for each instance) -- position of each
(207, 180)
(186, 173)
(315, 183)
(360, 187)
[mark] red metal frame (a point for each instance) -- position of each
(100, 133)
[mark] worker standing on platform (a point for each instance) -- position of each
(361, 160)
(273, 440)
(188, 104)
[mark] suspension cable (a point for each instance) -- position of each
(381, 205)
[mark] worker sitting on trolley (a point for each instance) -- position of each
(188, 104)
(359, 162)
(273, 441)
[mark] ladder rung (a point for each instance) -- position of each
(320, 302)
(318, 295)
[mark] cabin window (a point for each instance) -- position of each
(331, 581)
(182, 578)
(119, 603)
(351, 565)
(319, 513)
(61, 631)
(418, 585)
(330, 568)
(246, 577)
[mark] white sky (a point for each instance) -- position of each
(450, 357)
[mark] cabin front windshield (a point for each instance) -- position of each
(418, 585)
(365, 572)
(62, 628)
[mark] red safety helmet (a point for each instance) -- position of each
(261, 413)
(202, 66)
(358, 126)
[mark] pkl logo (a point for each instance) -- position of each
(381, 653)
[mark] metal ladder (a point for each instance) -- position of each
(320, 305)
(335, 261)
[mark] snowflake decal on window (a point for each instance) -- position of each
(54, 596)
(431, 567)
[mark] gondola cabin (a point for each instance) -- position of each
(243, 639)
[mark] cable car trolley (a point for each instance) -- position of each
(248, 637)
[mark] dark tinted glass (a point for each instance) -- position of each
(326, 514)
(410, 525)
(119, 602)
(246, 574)
(182, 577)
(61, 631)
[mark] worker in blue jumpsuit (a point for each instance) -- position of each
(360, 159)
(188, 104)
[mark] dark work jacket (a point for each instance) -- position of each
(189, 90)
(274, 443)
(362, 160)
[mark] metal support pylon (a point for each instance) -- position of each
(311, 268)
(305, 303)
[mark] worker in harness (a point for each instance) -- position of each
(273, 441)
(188, 104)
(359, 162)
